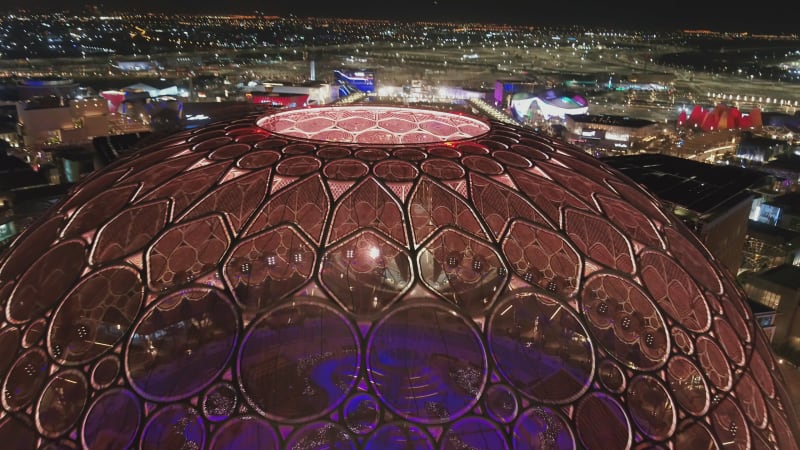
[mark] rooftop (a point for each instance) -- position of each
(157, 84)
(791, 121)
(786, 275)
(791, 163)
(759, 308)
(697, 186)
(618, 121)
(46, 102)
(771, 233)
(46, 81)
(789, 201)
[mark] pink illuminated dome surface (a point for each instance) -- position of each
(371, 277)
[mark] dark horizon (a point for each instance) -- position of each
(622, 14)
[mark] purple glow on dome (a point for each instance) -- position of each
(285, 282)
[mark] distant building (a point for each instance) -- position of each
(787, 168)
(154, 88)
(318, 93)
(111, 148)
(765, 318)
(779, 288)
(9, 90)
(75, 162)
(355, 80)
(760, 148)
(279, 100)
(719, 117)
(279, 93)
(587, 81)
(778, 119)
(59, 133)
(148, 111)
(620, 133)
(29, 88)
(198, 114)
(24, 205)
(15, 175)
(52, 121)
(505, 88)
(781, 211)
(767, 246)
(8, 227)
(548, 104)
(645, 82)
(712, 200)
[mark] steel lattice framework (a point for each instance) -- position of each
(375, 277)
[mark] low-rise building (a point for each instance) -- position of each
(308, 93)
(17, 179)
(52, 121)
(779, 289)
(782, 211)
(767, 246)
(712, 200)
(765, 318)
(620, 133)
(154, 88)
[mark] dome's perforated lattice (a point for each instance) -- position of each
(230, 288)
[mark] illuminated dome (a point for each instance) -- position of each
(377, 278)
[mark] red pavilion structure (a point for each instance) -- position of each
(721, 117)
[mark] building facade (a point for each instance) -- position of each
(616, 133)
(53, 121)
(767, 246)
(779, 289)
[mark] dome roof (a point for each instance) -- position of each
(375, 277)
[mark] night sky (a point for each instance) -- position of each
(718, 15)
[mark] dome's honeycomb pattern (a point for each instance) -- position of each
(375, 125)
(232, 288)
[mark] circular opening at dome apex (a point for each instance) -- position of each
(373, 125)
